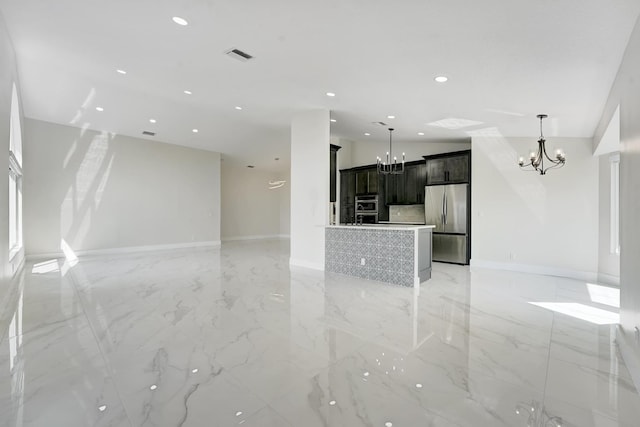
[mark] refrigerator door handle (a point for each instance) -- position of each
(444, 205)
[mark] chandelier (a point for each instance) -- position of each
(388, 168)
(537, 159)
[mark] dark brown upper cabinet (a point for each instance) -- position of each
(407, 188)
(367, 181)
(449, 168)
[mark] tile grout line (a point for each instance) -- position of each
(72, 280)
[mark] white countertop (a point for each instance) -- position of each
(384, 226)
(401, 223)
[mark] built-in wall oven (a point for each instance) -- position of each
(367, 209)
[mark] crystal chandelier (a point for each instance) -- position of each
(386, 167)
(537, 159)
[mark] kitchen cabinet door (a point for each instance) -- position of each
(362, 182)
(458, 169)
(373, 179)
(383, 209)
(421, 180)
(436, 171)
(391, 186)
(448, 169)
(367, 181)
(347, 188)
(410, 189)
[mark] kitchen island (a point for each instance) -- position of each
(392, 253)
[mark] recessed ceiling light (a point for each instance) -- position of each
(194, 370)
(121, 71)
(331, 94)
(333, 120)
(153, 387)
(366, 134)
(99, 108)
(441, 79)
(152, 120)
(180, 21)
(391, 117)
(195, 131)
(102, 408)
(238, 108)
(188, 92)
(421, 133)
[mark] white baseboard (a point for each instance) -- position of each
(305, 264)
(630, 354)
(256, 237)
(608, 279)
(127, 250)
(537, 269)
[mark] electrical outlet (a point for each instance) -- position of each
(362, 261)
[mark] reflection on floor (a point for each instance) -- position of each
(230, 336)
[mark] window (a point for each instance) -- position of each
(614, 162)
(15, 177)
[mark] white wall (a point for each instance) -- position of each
(524, 221)
(309, 187)
(249, 208)
(101, 191)
(608, 263)
(285, 206)
(8, 76)
(625, 93)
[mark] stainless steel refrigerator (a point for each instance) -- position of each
(445, 206)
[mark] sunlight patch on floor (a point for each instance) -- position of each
(582, 312)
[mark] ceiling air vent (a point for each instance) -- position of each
(239, 55)
(146, 132)
(379, 123)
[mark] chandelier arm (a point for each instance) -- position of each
(541, 151)
(549, 158)
(556, 165)
(541, 161)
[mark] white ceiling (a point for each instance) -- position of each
(507, 60)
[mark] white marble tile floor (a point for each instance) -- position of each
(232, 336)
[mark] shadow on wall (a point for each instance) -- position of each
(99, 190)
(86, 169)
(504, 157)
